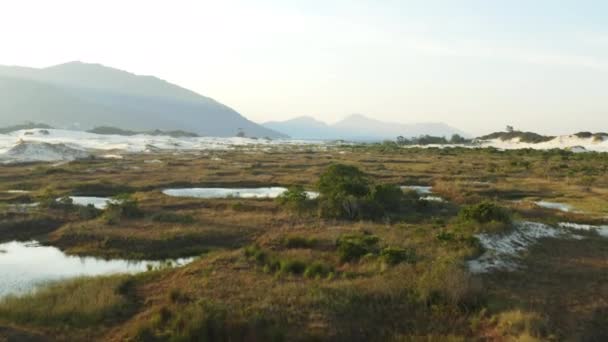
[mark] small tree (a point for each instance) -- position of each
(457, 139)
(510, 129)
(403, 141)
(342, 189)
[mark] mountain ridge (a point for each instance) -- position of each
(83, 96)
(358, 127)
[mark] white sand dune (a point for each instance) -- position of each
(64, 145)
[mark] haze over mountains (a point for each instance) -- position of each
(82, 96)
(358, 127)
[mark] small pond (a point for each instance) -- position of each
(97, 202)
(269, 192)
(554, 205)
(424, 191)
(26, 265)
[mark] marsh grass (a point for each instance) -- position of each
(78, 303)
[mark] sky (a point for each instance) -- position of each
(478, 65)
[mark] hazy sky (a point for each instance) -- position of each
(477, 65)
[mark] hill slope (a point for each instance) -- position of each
(79, 95)
(358, 127)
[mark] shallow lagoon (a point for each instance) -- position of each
(26, 265)
(268, 192)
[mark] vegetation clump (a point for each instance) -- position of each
(354, 246)
(397, 255)
(295, 198)
(346, 192)
(485, 212)
(122, 207)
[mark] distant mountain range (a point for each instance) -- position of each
(358, 127)
(83, 96)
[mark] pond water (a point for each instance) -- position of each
(425, 192)
(600, 230)
(97, 202)
(420, 189)
(269, 192)
(554, 205)
(26, 265)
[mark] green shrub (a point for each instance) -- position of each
(295, 267)
(122, 207)
(353, 247)
(485, 212)
(299, 242)
(396, 255)
(294, 198)
(390, 197)
(340, 179)
(318, 270)
(342, 189)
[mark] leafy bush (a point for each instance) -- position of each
(318, 270)
(342, 189)
(299, 242)
(122, 207)
(485, 212)
(388, 197)
(353, 247)
(294, 198)
(340, 179)
(396, 255)
(292, 267)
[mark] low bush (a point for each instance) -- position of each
(485, 212)
(318, 270)
(299, 242)
(397, 255)
(122, 207)
(293, 199)
(353, 247)
(295, 267)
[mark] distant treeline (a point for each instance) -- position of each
(433, 140)
(108, 130)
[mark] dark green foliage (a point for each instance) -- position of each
(396, 255)
(295, 267)
(299, 242)
(100, 189)
(343, 180)
(353, 247)
(485, 212)
(294, 198)
(119, 131)
(388, 197)
(318, 270)
(346, 192)
(122, 207)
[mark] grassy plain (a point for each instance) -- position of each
(268, 273)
